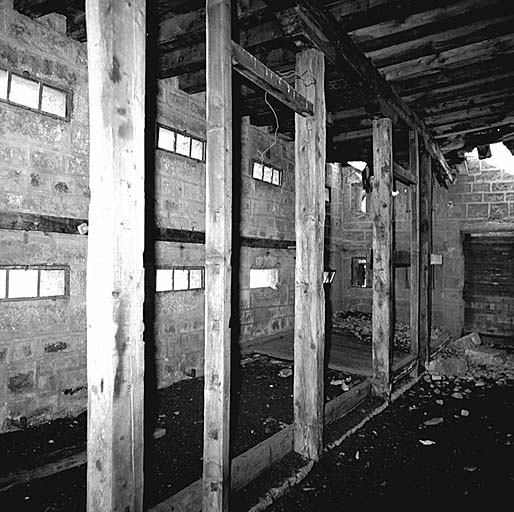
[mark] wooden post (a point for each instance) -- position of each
(425, 250)
(309, 333)
(115, 274)
(414, 244)
(218, 252)
(382, 255)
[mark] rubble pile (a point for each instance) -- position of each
(468, 359)
(358, 325)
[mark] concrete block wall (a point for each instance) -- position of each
(481, 200)
(43, 170)
(43, 341)
(43, 160)
(357, 233)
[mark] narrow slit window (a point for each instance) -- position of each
(33, 282)
(3, 84)
(267, 173)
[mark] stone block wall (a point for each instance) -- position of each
(357, 240)
(43, 170)
(481, 200)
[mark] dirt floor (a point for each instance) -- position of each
(446, 444)
(263, 403)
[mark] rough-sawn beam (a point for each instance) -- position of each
(255, 71)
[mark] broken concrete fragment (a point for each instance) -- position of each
(486, 355)
(432, 422)
(469, 341)
(448, 366)
(457, 395)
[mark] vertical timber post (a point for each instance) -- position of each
(425, 249)
(115, 274)
(218, 252)
(382, 256)
(414, 244)
(309, 332)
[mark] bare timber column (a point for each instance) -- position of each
(382, 256)
(218, 251)
(414, 244)
(425, 250)
(309, 331)
(115, 275)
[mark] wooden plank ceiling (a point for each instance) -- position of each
(450, 61)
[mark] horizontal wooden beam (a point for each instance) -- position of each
(322, 30)
(469, 53)
(403, 175)
(255, 71)
(428, 22)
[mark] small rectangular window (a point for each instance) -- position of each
(360, 278)
(327, 194)
(183, 145)
(328, 276)
(197, 149)
(33, 282)
(33, 94)
(166, 139)
(52, 283)
(53, 101)
(24, 92)
(263, 278)
(180, 143)
(267, 173)
(179, 279)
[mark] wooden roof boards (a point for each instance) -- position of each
(444, 65)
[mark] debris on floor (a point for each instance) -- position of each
(358, 325)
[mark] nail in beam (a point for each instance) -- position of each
(382, 256)
(218, 249)
(309, 333)
(425, 249)
(115, 274)
(414, 243)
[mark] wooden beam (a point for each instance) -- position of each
(309, 333)
(469, 53)
(115, 274)
(414, 245)
(320, 29)
(218, 253)
(439, 22)
(425, 250)
(403, 175)
(255, 71)
(480, 30)
(383, 286)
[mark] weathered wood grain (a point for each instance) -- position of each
(309, 335)
(382, 212)
(115, 273)
(425, 250)
(218, 253)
